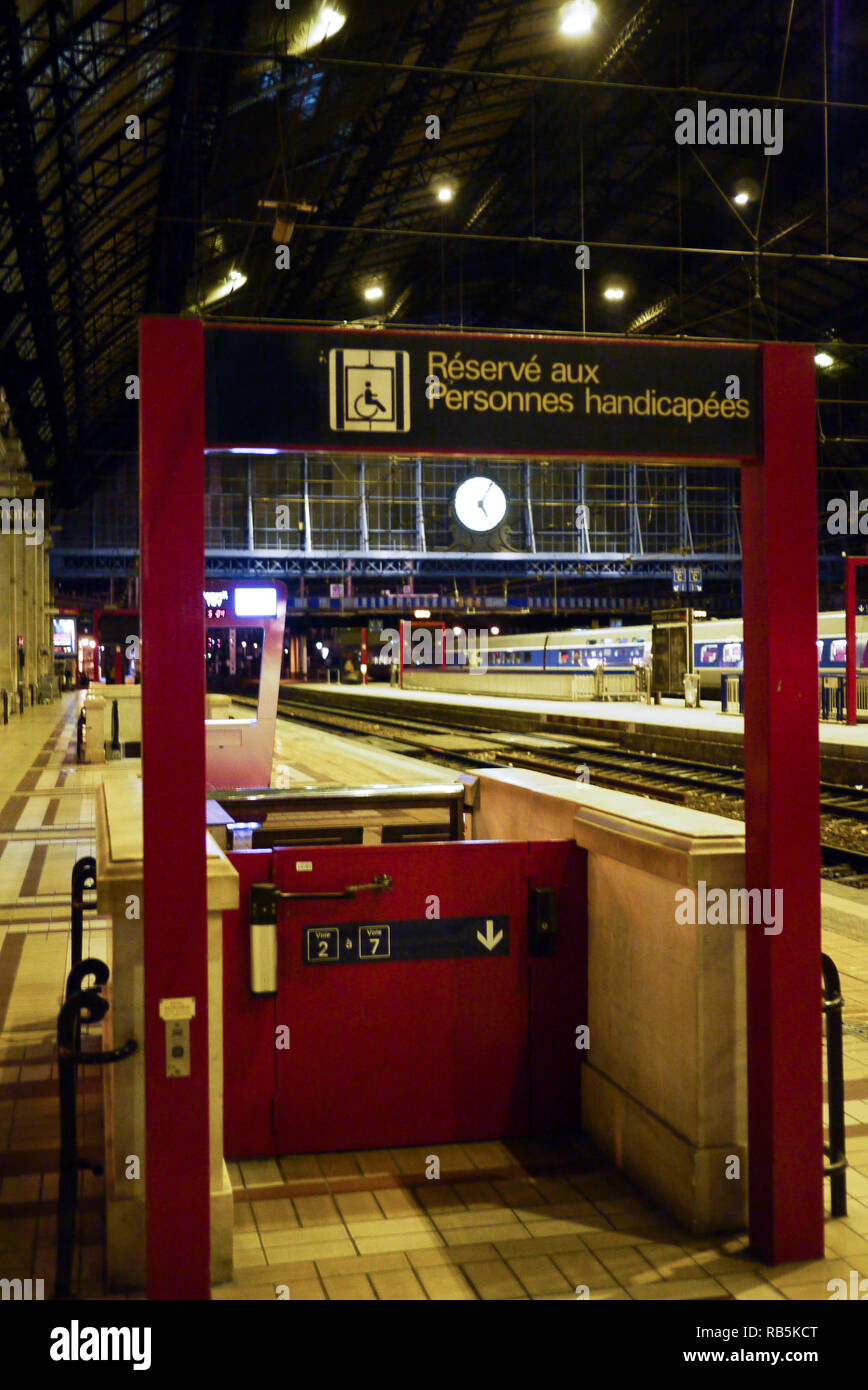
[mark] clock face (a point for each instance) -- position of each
(480, 504)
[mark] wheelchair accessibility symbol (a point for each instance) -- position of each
(367, 403)
(369, 390)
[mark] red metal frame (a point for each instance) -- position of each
(412, 623)
(850, 565)
(782, 849)
(781, 772)
(172, 438)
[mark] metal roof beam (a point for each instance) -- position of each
(22, 199)
(438, 30)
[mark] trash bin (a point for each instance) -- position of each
(691, 691)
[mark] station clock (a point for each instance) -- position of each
(479, 507)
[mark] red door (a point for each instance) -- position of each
(387, 1049)
(413, 1014)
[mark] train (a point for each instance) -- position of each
(544, 663)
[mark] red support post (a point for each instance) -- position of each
(782, 815)
(171, 425)
(850, 634)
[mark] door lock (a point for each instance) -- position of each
(543, 922)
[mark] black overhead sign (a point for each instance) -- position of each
(383, 392)
(418, 939)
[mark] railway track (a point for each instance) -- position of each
(467, 745)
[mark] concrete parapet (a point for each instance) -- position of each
(664, 1088)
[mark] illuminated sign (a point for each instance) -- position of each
(64, 636)
(474, 394)
(215, 598)
(256, 603)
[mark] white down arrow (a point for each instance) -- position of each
(489, 940)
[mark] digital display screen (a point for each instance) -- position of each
(255, 603)
(64, 636)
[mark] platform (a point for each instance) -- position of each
(506, 1221)
(668, 729)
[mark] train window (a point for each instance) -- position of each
(839, 649)
(731, 653)
(708, 654)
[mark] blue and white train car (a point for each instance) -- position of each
(544, 664)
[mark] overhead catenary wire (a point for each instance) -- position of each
(476, 74)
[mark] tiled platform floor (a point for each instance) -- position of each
(504, 1221)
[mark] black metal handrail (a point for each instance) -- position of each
(88, 1006)
(833, 1006)
(80, 734)
(83, 879)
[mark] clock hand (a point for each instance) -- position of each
(488, 490)
(481, 502)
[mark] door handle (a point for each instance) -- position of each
(264, 899)
(378, 882)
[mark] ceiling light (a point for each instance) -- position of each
(745, 191)
(373, 292)
(577, 17)
(327, 23)
(445, 194)
(330, 22)
(614, 292)
(824, 359)
(421, 612)
(234, 280)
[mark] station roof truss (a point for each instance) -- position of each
(138, 141)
